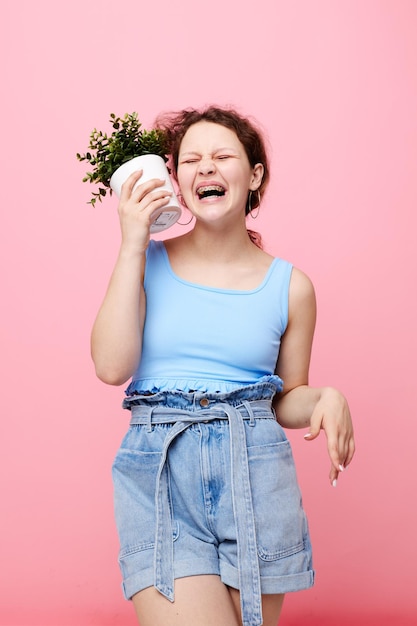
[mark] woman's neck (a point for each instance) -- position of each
(220, 244)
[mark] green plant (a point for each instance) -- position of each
(106, 152)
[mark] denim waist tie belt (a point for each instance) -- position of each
(249, 579)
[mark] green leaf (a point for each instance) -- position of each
(108, 151)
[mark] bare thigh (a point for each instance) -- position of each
(202, 600)
(271, 606)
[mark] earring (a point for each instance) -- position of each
(181, 199)
(186, 223)
(251, 213)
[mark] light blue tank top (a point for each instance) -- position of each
(206, 339)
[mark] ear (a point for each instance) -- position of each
(257, 175)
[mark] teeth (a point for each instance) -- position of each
(210, 190)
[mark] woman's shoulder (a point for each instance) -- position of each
(301, 287)
(173, 244)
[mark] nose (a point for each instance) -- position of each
(206, 166)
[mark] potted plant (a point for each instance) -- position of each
(113, 157)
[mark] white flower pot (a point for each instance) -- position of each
(153, 166)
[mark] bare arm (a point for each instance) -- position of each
(302, 406)
(116, 338)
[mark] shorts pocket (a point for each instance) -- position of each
(135, 471)
(136, 558)
(134, 549)
(281, 525)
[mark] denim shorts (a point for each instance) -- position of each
(205, 483)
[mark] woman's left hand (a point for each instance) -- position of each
(332, 414)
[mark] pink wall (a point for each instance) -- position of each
(335, 87)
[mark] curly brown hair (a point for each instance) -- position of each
(176, 124)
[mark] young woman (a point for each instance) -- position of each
(216, 336)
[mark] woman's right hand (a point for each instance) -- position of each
(136, 206)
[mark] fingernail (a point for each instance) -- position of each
(334, 483)
(307, 435)
(341, 468)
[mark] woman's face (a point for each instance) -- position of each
(214, 173)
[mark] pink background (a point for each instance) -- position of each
(334, 85)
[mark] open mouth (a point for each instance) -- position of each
(210, 190)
